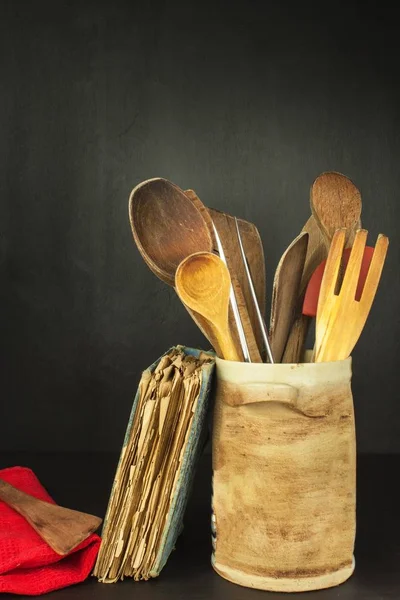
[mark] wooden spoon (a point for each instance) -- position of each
(285, 293)
(61, 528)
(253, 248)
(166, 226)
(335, 203)
(340, 317)
(203, 284)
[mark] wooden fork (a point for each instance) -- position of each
(340, 317)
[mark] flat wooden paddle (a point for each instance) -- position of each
(285, 293)
(340, 317)
(61, 528)
(225, 225)
(203, 283)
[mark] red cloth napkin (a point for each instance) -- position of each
(27, 564)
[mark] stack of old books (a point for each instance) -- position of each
(164, 438)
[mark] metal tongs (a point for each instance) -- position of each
(233, 301)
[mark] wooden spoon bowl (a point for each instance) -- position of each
(336, 204)
(202, 279)
(166, 226)
(203, 284)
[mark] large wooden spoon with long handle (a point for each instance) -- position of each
(62, 528)
(203, 284)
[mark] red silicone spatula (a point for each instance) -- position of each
(312, 293)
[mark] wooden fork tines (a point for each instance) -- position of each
(340, 317)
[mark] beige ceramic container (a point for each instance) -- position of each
(284, 467)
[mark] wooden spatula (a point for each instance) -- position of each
(62, 528)
(225, 225)
(253, 248)
(203, 283)
(255, 255)
(285, 293)
(340, 317)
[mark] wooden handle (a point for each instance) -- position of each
(226, 344)
(249, 333)
(295, 344)
(14, 497)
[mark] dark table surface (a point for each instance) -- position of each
(83, 482)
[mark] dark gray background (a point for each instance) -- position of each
(244, 102)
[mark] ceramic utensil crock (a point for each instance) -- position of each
(284, 474)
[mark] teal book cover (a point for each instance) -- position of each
(134, 544)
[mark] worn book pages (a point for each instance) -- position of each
(156, 466)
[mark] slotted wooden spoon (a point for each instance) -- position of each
(203, 283)
(340, 317)
(310, 304)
